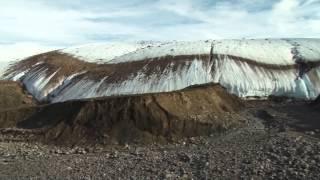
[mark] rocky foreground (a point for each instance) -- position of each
(280, 141)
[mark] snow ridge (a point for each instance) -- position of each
(104, 52)
(257, 67)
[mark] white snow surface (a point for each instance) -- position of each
(241, 80)
(267, 51)
(239, 77)
(104, 52)
(170, 80)
(174, 48)
(247, 81)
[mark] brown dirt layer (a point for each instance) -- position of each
(118, 73)
(51, 62)
(129, 119)
(156, 66)
(12, 95)
(69, 65)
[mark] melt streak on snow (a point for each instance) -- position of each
(169, 80)
(246, 68)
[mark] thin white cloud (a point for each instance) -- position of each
(296, 18)
(64, 23)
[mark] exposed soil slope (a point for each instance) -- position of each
(12, 95)
(143, 118)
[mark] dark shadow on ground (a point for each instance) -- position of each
(300, 116)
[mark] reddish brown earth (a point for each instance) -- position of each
(148, 118)
(13, 95)
(148, 137)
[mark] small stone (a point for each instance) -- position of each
(114, 154)
(298, 138)
(184, 157)
(165, 152)
(207, 163)
(310, 133)
(168, 175)
(58, 151)
(81, 151)
(185, 176)
(127, 146)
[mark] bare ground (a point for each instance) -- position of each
(13, 95)
(161, 117)
(280, 141)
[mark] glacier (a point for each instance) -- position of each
(104, 52)
(245, 67)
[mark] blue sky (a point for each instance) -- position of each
(60, 23)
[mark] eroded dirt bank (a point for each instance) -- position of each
(199, 110)
(13, 95)
(112, 138)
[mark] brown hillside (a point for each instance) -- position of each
(12, 95)
(126, 119)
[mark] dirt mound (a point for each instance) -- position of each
(128, 119)
(13, 95)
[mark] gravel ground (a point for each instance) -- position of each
(280, 141)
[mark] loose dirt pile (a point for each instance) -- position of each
(12, 95)
(146, 118)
